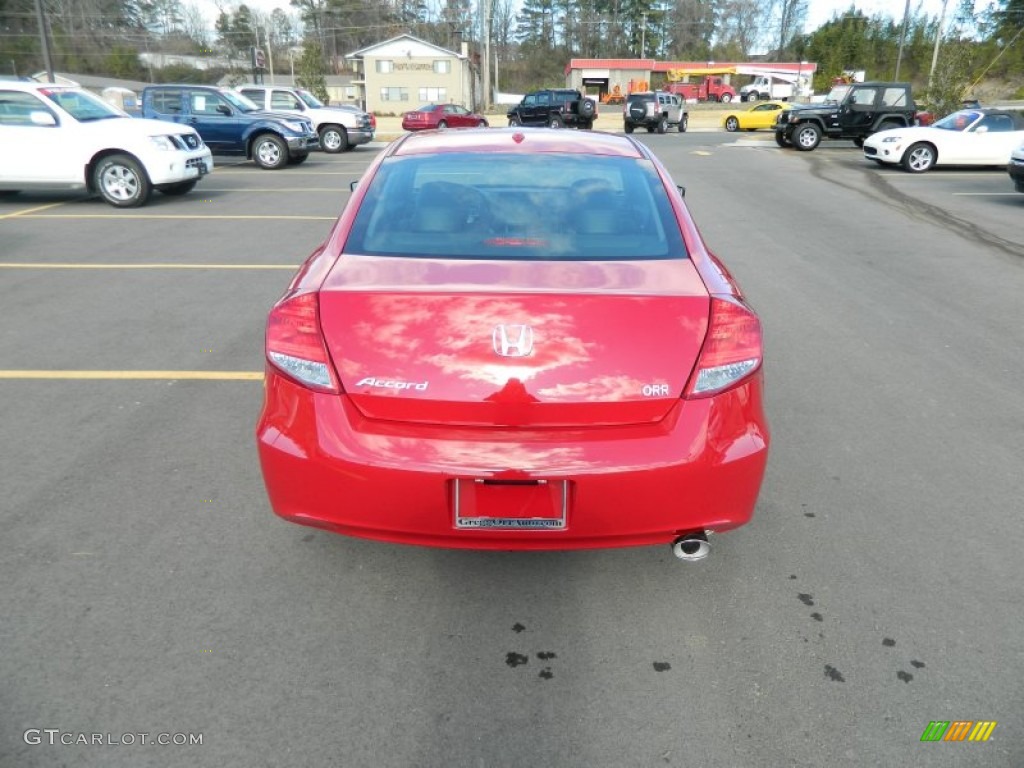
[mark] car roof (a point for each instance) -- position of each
(31, 85)
(516, 140)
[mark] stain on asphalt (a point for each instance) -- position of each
(514, 659)
(888, 642)
(834, 674)
(662, 666)
(545, 655)
(806, 599)
(517, 627)
(309, 537)
(809, 514)
(906, 677)
(546, 673)
(792, 577)
(817, 616)
(916, 664)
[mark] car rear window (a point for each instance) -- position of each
(517, 207)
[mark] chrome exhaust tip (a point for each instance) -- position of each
(691, 547)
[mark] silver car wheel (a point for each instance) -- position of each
(120, 182)
(331, 140)
(268, 153)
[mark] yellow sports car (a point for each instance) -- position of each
(761, 115)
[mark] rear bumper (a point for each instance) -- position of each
(327, 466)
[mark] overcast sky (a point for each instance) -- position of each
(819, 11)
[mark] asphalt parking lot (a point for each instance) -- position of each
(147, 587)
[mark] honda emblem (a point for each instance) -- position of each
(513, 340)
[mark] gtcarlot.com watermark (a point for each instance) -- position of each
(55, 737)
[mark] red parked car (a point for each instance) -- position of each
(515, 339)
(442, 116)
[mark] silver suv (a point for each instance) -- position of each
(339, 129)
(655, 111)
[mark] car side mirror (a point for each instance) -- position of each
(682, 190)
(981, 129)
(41, 118)
(224, 109)
(352, 185)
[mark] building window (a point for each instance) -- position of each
(385, 66)
(435, 95)
(442, 67)
(350, 92)
(394, 94)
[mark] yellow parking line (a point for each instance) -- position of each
(277, 189)
(211, 217)
(137, 375)
(298, 173)
(30, 210)
(68, 265)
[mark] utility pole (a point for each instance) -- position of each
(935, 53)
(903, 37)
(643, 35)
(269, 52)
(485, 72)
(44, 38)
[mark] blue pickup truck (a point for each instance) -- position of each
(231, 124)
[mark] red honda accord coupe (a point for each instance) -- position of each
(442, 116)
(515, 339)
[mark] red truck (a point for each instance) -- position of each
(708, 89)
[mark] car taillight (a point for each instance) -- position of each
(295, 344)
(732, 349)
(373, 120)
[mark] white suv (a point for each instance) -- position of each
(339, 129)
(60, 137)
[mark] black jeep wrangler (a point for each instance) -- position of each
(555, 108)
(850, 111)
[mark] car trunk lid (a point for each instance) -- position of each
(541, 344)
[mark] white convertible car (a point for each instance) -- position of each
(967, 137)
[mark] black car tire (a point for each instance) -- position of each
(482, 124)
(120, 181)
(555, 122)
(586, 108)
(662, 124)
(919, 158)
(858, 141)
(514, 121)
(334, 139)
(269, 152)
(732, 124)
(442, 125)
(684, 122)
(628, 127)
(298, 159)
(181, 188)
(806, 137)
(781, 140)
(725, 98)
(637, 111)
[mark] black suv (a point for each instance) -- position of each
(655, 111)
(555, 108)
(850, 111)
